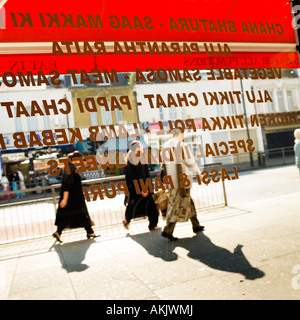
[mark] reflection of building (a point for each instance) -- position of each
(97, 106)
(197, 100)
(149, 106)
(269, 98)
(285, 95)
(103, 106)
(32, 110)
(88, 105)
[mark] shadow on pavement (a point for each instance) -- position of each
(155, 245)
(201, 248)
(72, 254)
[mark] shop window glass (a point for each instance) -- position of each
(280, 101)
(290, 100)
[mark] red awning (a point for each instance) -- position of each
(257, 33)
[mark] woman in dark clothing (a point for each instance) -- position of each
(138, 205)
(72, 210)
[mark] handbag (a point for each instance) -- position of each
(182, 207)
(161, 199)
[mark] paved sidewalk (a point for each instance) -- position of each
(249, 251)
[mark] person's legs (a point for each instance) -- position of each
(61, 224)
(152, 213)
(194, 220)
(170, 226)
(196, 224)
(58, 233)
(60, 230)
(168, 231)
(128, 215)
(90, 232)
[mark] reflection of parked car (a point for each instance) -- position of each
(52, 180)
(36, 181)
(39, 180)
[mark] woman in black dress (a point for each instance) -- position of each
(138, 205)
(72, 211)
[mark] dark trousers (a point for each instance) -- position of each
(143, 207)
(88, 229)
(170, 226)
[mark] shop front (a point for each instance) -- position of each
(33, 164)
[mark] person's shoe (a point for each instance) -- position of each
(169, 236)
(155, 228)
(198, 229)
(57, 236)
(92, 235)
